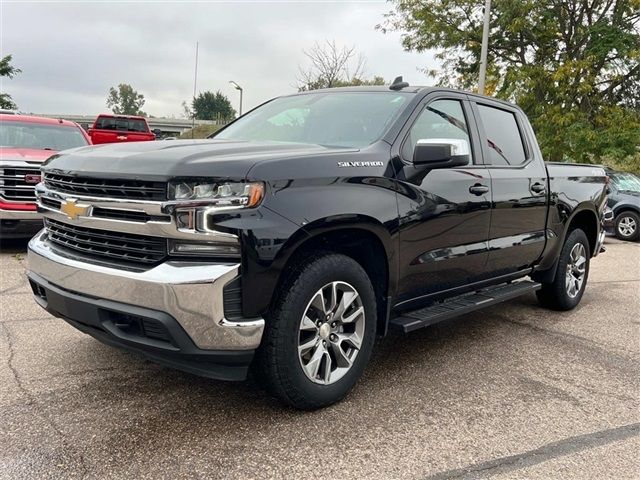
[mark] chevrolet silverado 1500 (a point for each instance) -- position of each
(308, 226)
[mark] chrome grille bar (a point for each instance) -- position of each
(13, 183)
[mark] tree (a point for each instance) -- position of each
(572, 65)
(7, 70)
(212, 106)
(125, 100)
(186, 110)
(333, 66)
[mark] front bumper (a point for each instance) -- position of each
(173, 313)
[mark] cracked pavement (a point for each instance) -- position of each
(510, 392)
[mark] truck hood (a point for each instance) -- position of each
(24, 154)
(162, 160)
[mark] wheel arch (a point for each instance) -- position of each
(627, 207)
(585, 218)
(362, 238)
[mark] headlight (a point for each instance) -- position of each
(194, 204)
(228, 194)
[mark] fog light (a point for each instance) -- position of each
(204, 248)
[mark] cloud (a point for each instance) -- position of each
(71, 53)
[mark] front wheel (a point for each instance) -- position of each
(628, 226)
(319, 334)
(565, 291)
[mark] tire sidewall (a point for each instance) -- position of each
(565, 301)
(321, 272)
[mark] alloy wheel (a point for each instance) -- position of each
(576, 269)
(627, 226)
(331, 333)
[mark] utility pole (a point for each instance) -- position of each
(195, 82)
(485, 47)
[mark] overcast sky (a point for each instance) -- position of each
(71, 52)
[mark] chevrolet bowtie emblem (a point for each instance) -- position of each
(72, 209)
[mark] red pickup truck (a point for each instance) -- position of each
(120, 128)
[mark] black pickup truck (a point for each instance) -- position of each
(308, 226)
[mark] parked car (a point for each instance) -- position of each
(25, 142)
(120, 128)
(624, 202)
(308, 226)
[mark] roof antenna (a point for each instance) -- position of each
(398, 84)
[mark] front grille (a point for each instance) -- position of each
(127, 248)
(128, 215)
(101, 187)
(18, 183)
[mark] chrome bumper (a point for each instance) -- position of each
(190, 292)
(19, 215)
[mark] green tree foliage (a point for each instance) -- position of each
(212, 106)
(125, 100)
(7, 70)
(332, 66)
(572, 65)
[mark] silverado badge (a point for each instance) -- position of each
(73, 209)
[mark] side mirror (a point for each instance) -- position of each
(441, 153)
(157, 132)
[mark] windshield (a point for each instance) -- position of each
(625, 181)
(121, 124)
(344, 119)
(40, 137)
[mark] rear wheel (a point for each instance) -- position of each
(565, 291)
(320, 333)
(628, 226)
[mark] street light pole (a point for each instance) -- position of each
(485, 47)
(195, 82)
(238, 87)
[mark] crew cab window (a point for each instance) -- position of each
(440, 119)
(503, 136)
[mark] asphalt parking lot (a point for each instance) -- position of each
(513, 391)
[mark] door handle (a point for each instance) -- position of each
(478, 189)
(538, 188)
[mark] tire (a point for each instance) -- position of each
(563, 293)
(627, 226)
(291, 376)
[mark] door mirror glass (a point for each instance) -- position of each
(441, 152)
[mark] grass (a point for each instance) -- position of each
(200, 131)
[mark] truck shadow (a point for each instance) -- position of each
(14, 245)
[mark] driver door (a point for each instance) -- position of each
(445, 212)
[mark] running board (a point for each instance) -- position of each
(461, 305)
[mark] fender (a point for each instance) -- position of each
(547, 274)
(264, 278)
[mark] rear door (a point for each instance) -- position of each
(444, 214)
(518, 187)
